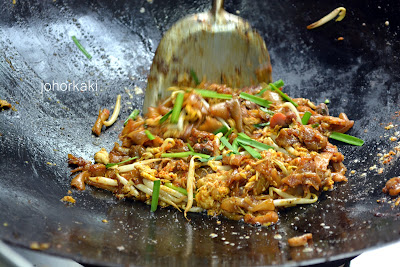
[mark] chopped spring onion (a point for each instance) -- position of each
(251, 151)
(327, 101)
(315, 125)
(244, 135)
(270, 112)
(211, 158)
(156, 193)
(165, 117)
(177, 188)
(306, 117)
(226, 136)
(229, 132)
(255, 99)
(223, 130)
(282, 94)
(235, 144)
(194, 77)
(132, 116)
(278, 84)
(184, 155)
(226, 143)
(352, 140)
(149, 135)
(190, 147)
(109, 165)
(176, 111)
(212, 94)
(83, 50)
(253, 143)
(261, 125)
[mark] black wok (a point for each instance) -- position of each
(359, 75)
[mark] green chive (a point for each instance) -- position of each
(315, 125)
(352, 140)
(177, 188)
(223, 130)
(327, 101)
(251, 151)
(118, 163)
(156, 193)
(229, 132)
(261, 125)
(212, 94)
(283, 95)
(194, 77)
(253, 143)
(255, 99)
(278, 84)
(227, 144)
(165, 117)
(244, 135)
(184, 155)
(270, 112)
(149, 135)
(190, 147)
(306, 117)
(132, 116)
(235, 144)
(176, 111)
(211, 158)
(83, 50)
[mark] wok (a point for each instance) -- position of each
(359, 75)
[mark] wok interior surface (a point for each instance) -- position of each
(359, 75)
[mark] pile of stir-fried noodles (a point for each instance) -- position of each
(240, 153)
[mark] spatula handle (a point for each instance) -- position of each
(217, 9)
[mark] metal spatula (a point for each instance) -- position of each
(216, 45)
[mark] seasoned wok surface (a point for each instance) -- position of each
(359, 75)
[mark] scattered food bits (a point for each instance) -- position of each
(138, 90)
(299, 241)
(380, 171)
(277, 237)
(5, 224)
(393, 138)
(39, 246)
(4, 104)
(353, 172)
(104, 221)
(386, 23)
(238, 12)
(372, 168)
(69, 192)
(128, 92)
(121, 248)
(340, 38)
(213, 235)
(308, 249)
(218, 222)
(68, 199)
(340, 12)
(142, 10)
(389, 126)
(150, 1)
(392, 187)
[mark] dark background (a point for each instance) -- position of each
(359, 75)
